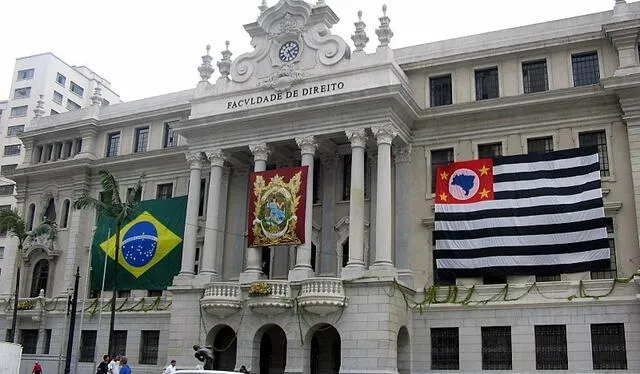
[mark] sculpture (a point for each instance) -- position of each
(204, 355)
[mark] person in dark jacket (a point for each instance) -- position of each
(103, 367)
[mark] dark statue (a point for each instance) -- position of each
(204, 355)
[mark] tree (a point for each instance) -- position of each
(111, 205)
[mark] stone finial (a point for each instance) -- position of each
(360, 38)
(620, 9)
(263, 6)
(39, 110)
(96, 98)
(206, 69)
(320, 3)
(224, 65)
(384, 31)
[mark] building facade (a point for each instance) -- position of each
(361, 295)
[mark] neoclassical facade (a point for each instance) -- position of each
(361, 294)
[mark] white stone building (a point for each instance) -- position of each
(360, 296)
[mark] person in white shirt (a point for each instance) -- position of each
(171, 368)
(114, 365)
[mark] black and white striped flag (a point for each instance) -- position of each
(527, 214)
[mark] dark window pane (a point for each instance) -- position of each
(164, 191)
(496, 348)
(317, 169)
(487, 84)
(492, 150)
(142, 139)
(534, 76)
(29, 341)
(441, 93)
(585, 69)
(170, 137)
(540, 145)
(346, 177)
(113, 144)
(445, 349)
(551, 347)
(608, 346)
(88, 345)
(599, 139)
(149, 341)
(120, 342)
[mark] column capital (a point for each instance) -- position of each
(403, 154)
(307, 145)
(357, 137)
(260, 151)
(216, 157)
(194, 157)
(384, 134)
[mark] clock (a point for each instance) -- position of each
(289, 51)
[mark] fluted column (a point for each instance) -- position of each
(384, 135)
(403, 215)
(302, 269)
(191, 222)
(355, 265)
(253, 263)
(212, 227)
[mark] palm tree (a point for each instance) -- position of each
(111, 205)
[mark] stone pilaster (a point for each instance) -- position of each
(191, 222)
(327, 251)
(88, 143)
(402, 212)
(212, 227)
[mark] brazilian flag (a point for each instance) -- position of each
(150, 246)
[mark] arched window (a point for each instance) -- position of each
(65, 213)
(40, 277)
(345, 253)
(31, 215)
(50, 212)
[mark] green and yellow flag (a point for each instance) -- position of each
(150, 247)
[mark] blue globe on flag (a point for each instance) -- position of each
(139, 244)
(464, 184)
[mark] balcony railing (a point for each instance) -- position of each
(276, 302)
(221, 299)
(322, 295)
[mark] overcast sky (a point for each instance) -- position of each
(150, 47)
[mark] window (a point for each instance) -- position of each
(8, 169)
(496, 348)
(21, 93)
(534, 76)
(19, 111)
(3, 208)
(134, 197)
(15, 130)
(599, 139)
(439, 157)
(170, 137)
(149, 341)
(196, 262)
(345, 253)
(142, 140)
(57, 97)
(445, 349)
(164, 191)
(203, 185)
(76, 89)
(440, 88)
(6, 190)
(611, 271)
(25, 74)
(492, 150)
(47, 341)
(1, 253)
(346, 176)
(72, 105)
(61, 79)
(154, 293)
(113, 144)
(29, 341)
(551, 347)
(487, 84)
(120, 342)
(317, 168)
(540, 145)
(608, 347)
(66, 208)
(548, 278)
(12, 150)
(40, 278)
(585, 68)
(88, 345)
(31, 216)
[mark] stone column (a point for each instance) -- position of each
(54, 152)
(43, 155)
(88, 147)
(355, 266)
(302, 269)
(372, 155)
(239, 190)
(212, 226)
(327, 251)
(403, 214)
(191, 222)
(253, 263)
(384, 135)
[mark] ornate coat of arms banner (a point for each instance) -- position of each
(277, 201)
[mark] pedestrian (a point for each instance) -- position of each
(243, 369)
(171, 368)
(114, 365)
(37, 369)
(124, 368)
(103, 367)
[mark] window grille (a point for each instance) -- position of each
(585, 68)
(6, 190)
(15, 130)
(551, 347)
(608, 346)
(611, 271)
(534, 76)
(88, 345)
(120, 342)
(149, 342)
(25, 74)
(113, 144)
(445, 349)
(12, 150)
(487, 86)
(548, 278)
(142, 139)
(346, 177)
(164, 191)
(598, 139)
(492, 150)
(170, 137)
(441, 90)
(540, 145)
(496, 348)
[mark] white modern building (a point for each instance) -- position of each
(42, 85)
(361, 295)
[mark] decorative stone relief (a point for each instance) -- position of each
(216, 157)
(384, 134)
(307, 145)
(357, 137)
(260, 151)
(282, 79)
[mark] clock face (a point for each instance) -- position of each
(289, 51)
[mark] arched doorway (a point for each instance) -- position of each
(225, 347)
(325, 352)
(404, 351)
(273, 350)
(39, 278)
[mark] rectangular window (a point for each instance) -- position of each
(154, 293)
(585, 68)
(441, 91)
(22, 93)
(599, 139)
(72, 105)
(540, 145)
(203, 185)
(76, 89)
(1, 253)
(120, 342)
(487, 86)
(445, 349)
(149, 341)
(439, 157)
(6, 170)
(346, 177)
(61, 79)
(164, 191)
(6, 190)
(608, 347)
(548, 278)
(142, 140)
(496, 348)
(551, 347)
(133, 197)
(25, 74)
(47, 342)
(611, 271)
(317, 168)
(57, 97)
(4, 232)
(29, 341)
(15, 130)
(19, 111)
(12, 150)
(113, 144)
(492, 150)
(534, 76)
(88, 345)
(170, 137)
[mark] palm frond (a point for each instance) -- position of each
(13, 223)
(46, 227)
(110, 187)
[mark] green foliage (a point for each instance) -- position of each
(13, 223)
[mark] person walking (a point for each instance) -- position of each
(171, 368)
(124, 368)
(37, 369)
(103, 367)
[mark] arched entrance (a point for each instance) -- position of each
(225, 347)
(325, 352)
(404, 351)
(273, 350)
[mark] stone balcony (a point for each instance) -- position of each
(322, 296)
(222, 298)
(275, 302)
